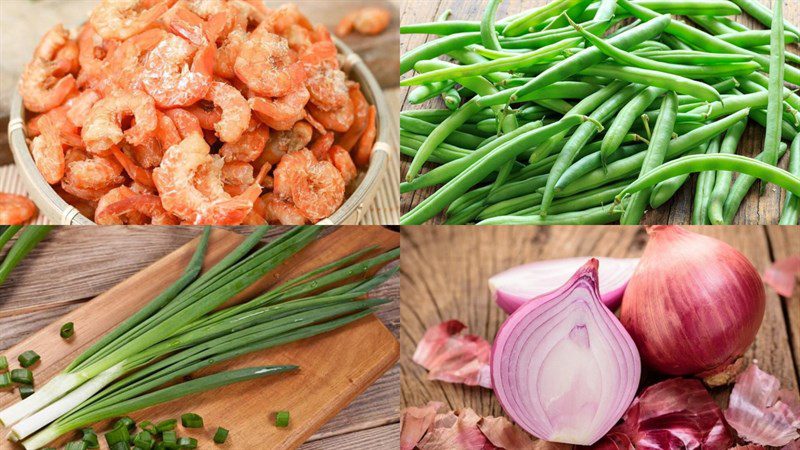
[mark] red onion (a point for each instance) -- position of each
(563, 367)
(693, 306)
(515, 286)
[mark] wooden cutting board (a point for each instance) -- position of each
(334, 368)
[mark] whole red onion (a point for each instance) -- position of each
(693, 306)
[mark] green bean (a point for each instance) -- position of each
(740, 189)
(510, 206)
(457, 138)
(732, 103)
(425, 92)
(592, 161)
(753, 38)
(534, 17)
(670, 82)
(585, 106)
(624, 120)
(591, 56)
(776, 74)
(438, 156)
(648, 46)
(549, 37)
(468, 199)
(600, 215)
(758, 79)
(681, 8)
(788, 132)
(442, 28)
(703, 188)
(705, 41)
(606, 10)
(664, 191)
(722, 182)
(763, 15)
(626, 58)
(452, 99)
(497, 65)
(465, 56)
(488, 30)
(711, 25)
(654, 156)
(477, 171)
(693, 57)
(627, 167)
(699, 163)
(558, 90)
(435, 48)
(450, 171)
(791, 207)
(581, 137)
(791, 58)
(465, 216)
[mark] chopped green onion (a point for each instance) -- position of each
(118, 434)
(127, 422)
(282, 419)
(22, 376)
(191, 420)
(67, 330)
(166, 425)
(28, 358)
(3, 363)
(25, 391)
(149, 427)
(169, 439)
(76, 445)
(143, 440)
(5, 381)
(90, 438)
(187, 442)
(221, 435)
(120, 446)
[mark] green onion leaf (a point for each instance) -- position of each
(118, 434)
(90, 438)
(282, 419)
(170, 440)
(67, 330)
(126, 422)
(22, 376)
(191, 420)
(149, 427)
(29, 358)
(144, 440)
(221, 435)
(3, 363)
(76, 445)
(5, 381)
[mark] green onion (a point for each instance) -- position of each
(7, 233)
(67, 330)
(22, 376)
(143, 440)
(76, 445)
(126, 422)
(25, 392)
(118, 434)
(191, 420)
(186, 329)
(282, 419)
(28, 358)
(166, 425)
(120, 446)
(169, 439)
(149, 427)
(90, 438)
(5, 381)
(3, 363)
(187, 442)
(27, 240)
(221, 435)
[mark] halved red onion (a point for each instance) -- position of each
(515, 286)
(563, 367)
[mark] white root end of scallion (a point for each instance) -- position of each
(62, 406)
(47, 394)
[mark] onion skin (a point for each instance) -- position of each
(693, 306)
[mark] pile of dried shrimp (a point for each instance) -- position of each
(196, 111)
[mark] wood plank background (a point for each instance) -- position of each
(74, 264)
(445, 272)
(756, 209)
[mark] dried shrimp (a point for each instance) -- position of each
(195, 111)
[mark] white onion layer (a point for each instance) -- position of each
(563, 367)
(516, 286)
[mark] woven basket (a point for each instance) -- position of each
(60, 212)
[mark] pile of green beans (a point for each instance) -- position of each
(594, 111)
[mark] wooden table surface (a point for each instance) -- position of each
(74, 264)
(756, 209)
(445, 272)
